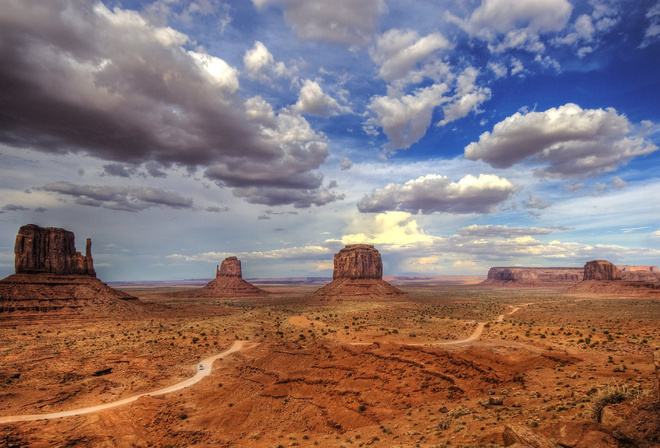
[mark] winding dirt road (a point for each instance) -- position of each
(206, 371)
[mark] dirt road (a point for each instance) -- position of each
(207, 365)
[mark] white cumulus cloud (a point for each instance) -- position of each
(567, 141)
(404, 57)
(506, 24)
(436, 193)
(260, 64)
(312, 100)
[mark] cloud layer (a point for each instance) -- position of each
(567, 141)
(81, 78)
(434, 193)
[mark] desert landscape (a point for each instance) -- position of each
(534, 360)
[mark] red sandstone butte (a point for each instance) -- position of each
(51, 276)
(358, 273)
(601, 270)
(229, 282)
(50, 250)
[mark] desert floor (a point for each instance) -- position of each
(447, 365)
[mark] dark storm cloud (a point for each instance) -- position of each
(132, 198)
(13, 208)
(282, 196)
(80, 78)
(119, 170)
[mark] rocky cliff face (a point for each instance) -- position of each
(601, 270)
(52, 251)
(230, 267)
(52, 276)
(534, 275)
(358, 261)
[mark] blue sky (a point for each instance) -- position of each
(453, 135)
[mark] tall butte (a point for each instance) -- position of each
(229, 282)
(358, 274)
(51, 275)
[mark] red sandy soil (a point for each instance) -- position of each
(353, 373)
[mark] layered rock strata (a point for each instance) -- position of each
(533, 276)
(52, 251)
(229, 282)
(601, 270)
(358, 273)
(51, 275)
(643, 268)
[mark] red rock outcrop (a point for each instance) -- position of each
(358, 261)
(228, 282)
(358, 273)
(533, 276)
(601, 270)
(52, 251)
(230, 267)
(51, 275)
(645, 268)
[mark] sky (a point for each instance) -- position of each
(452, 135)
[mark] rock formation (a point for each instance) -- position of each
(358, 273)
(358, 261)
(533, 276)
(228, 282)
(52, 251)
(601, 270)
(230, 267)
(603, 277)
(629, 268)
(51, 275)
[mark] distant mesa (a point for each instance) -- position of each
(596, 270)
(51, 275)
(358, 273)
(604, 277)
(629, 268)
(533, 276)
(601, 270)
(228, 282)
(604, 270)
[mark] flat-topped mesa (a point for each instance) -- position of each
(601, 270)
(358, 261)
(629, 268)
(230, 267)
(50, 250)
(534, 275)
